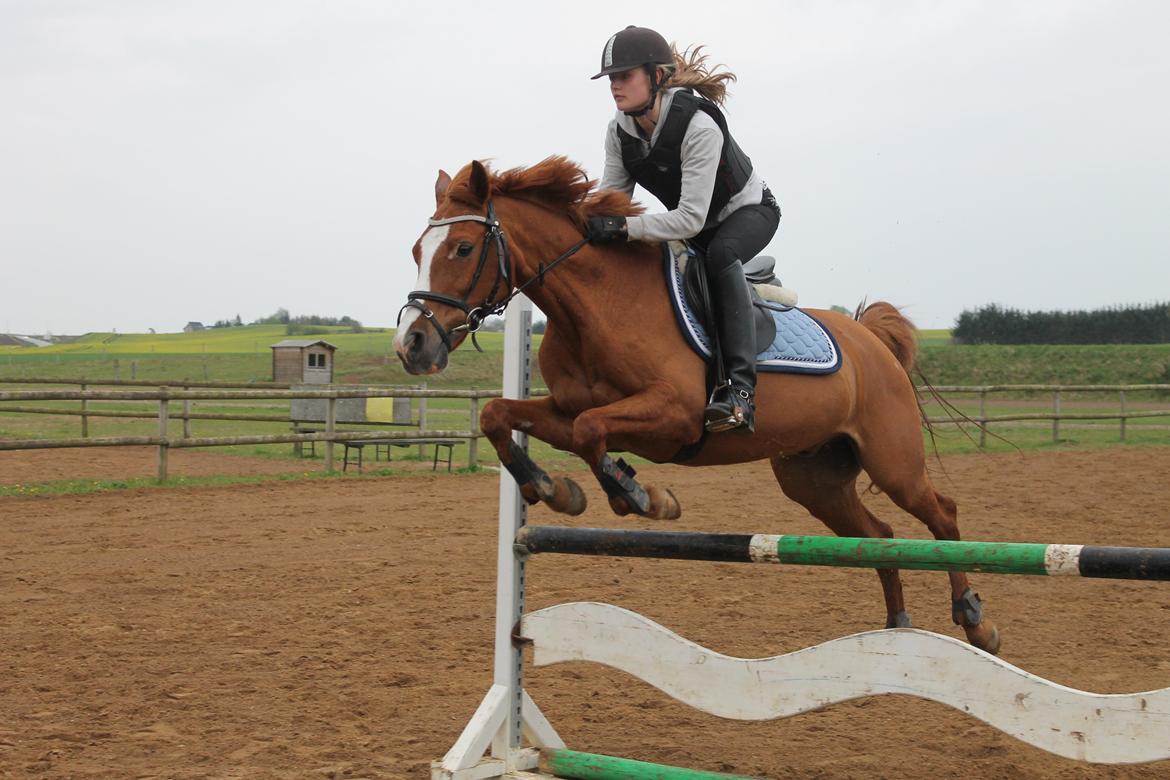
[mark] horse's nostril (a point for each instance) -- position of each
(414, 342)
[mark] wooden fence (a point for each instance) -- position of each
(187, 392)
(209, 391)
(983, 420)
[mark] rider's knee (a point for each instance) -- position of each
(721, 253)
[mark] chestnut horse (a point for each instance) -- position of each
(621, 377)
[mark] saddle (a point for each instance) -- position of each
(788, 340)
(760, 270)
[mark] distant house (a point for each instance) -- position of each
(303, 360)
(191, 327)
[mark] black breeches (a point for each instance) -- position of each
(740, 237)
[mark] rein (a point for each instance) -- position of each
(475, 315)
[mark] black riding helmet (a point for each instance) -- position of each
(636, 47)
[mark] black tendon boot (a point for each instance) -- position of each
(732, 405)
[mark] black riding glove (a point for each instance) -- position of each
(603, 230)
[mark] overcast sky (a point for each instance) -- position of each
(170, 161)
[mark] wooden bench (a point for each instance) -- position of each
(359, 446)
(299, 446)
(401, 416)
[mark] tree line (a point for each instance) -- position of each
(302, 324)
(1132, 324)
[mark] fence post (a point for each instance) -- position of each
(186, 416)
(982, 418)
(84, 416)
(422, 423)
(163, 445)
(1056, 417)
(1122, 394)
(330, 426)
(473, 443)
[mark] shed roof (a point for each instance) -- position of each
(302, 343)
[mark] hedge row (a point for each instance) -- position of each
(994, 324)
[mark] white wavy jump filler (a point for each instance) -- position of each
(1101, 728)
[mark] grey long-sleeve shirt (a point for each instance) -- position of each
(701, 146)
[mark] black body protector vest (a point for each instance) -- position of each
(660, 171)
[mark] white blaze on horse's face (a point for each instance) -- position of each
(429, 246)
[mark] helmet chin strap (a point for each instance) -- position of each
(651, 71)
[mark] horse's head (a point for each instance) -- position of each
(463, 272)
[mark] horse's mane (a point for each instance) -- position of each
(559, 184)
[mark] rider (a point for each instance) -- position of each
(675, 143)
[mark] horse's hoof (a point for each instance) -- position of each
(576, 503)
(530, 494)
(985, 636)
(545, 488)
(668, 506)
(619, 506)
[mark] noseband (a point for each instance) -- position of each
(475, 315)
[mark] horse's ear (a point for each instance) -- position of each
(478, 183)
(441, 185)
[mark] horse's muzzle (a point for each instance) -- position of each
(420, 349)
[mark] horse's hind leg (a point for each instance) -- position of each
(824, 484)
(905, 481)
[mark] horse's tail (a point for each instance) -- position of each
(895, 331)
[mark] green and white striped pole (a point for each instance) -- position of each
(1125, 563)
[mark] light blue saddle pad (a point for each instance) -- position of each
(802, 345)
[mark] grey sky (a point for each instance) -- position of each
(163, 162)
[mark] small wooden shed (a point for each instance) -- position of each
(303, 360)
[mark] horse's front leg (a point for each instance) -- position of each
(539, 418)
(655, 423)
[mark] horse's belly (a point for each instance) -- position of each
(794, 414)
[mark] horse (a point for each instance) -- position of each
(621, 377)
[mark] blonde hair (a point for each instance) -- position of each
(690, 70)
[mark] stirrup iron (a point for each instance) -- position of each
(738, 406)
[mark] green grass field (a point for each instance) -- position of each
(934, 338)
(242, 355)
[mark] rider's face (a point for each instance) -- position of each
(630, 88)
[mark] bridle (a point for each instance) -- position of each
(475, 315)
(493, 234)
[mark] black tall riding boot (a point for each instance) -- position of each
(733, 405)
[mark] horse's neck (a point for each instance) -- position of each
(599, 286)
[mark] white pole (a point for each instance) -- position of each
(513, 515)
(506, 712)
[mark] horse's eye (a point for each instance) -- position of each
(464, 249)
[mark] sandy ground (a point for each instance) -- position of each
(342, 629)
(31, 466)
